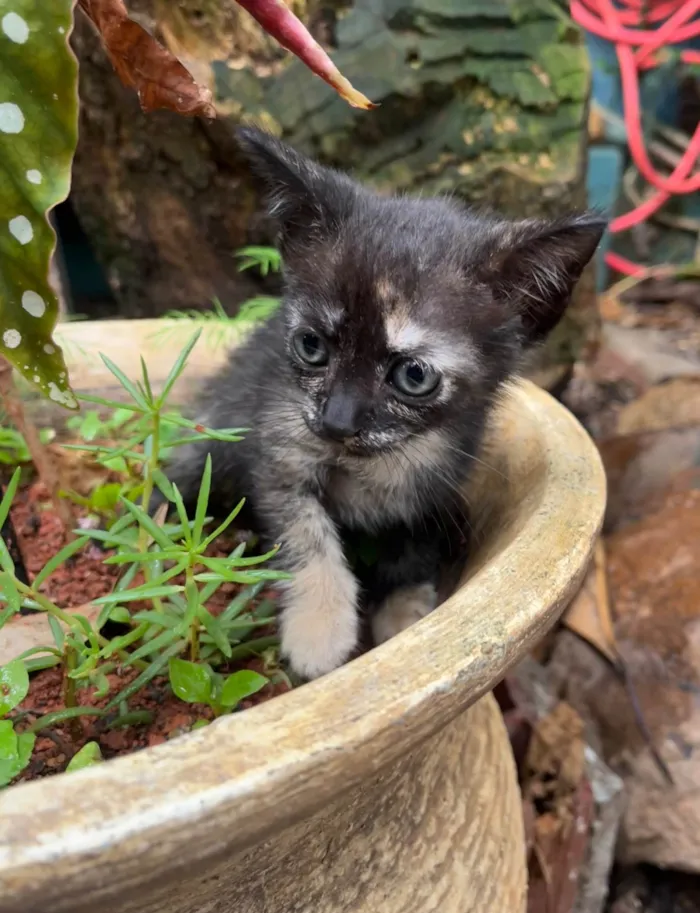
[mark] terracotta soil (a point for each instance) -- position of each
(81, 579)
(171, 717)
(41, 536)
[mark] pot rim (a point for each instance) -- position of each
(230, 785)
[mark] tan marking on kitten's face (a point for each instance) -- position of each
(385, 291)
(445, 354)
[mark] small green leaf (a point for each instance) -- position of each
(241, 602)
(102, 685)
(164, 484)
(182, 514)
(141, 592)
(142, 518)
(120, 615)
(110, 404)
(148, 674)
(57, 632)
(14, 685)
(25, 746)
(91, 425)
(199, 724)
(128, 578)
(106, 497)
(39, 117)
(110, 538)
(6, 562)
(189, 681)
(60, 716)
(159, 619)
(88, 756)
(9, 753)
(157, 643)
(9, 594)
(241, 577)
(239, 686)
(170, 554)
(131, 718)
(146, 381)
(178, 367)
(66, 552)
(215, 631)
(202, 501)
(8, 741)
(226, 523)
(42, 662)
(128, 385)
(9, 495)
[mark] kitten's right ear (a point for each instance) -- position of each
(303, 196)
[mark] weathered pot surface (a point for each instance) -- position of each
(385, 787)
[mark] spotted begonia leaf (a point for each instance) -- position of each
(38, 134)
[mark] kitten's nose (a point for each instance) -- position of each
(342, 416)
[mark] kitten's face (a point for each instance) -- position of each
(405, 315)
(376, 332)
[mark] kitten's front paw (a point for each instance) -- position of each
(319, 621)
(402, 609)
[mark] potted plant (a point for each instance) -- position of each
(387, 785)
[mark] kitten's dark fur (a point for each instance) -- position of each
(384, 294)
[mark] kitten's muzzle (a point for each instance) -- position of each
(342, 416)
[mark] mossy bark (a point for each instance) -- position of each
(486, 99)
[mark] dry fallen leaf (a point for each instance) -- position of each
(589, 614)
(280, 22)
(143, 64)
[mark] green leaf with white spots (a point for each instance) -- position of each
(38, 134)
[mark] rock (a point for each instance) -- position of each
(652, 351)
(673, 404)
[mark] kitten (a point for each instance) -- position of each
(368, 392)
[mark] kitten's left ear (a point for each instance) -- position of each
(537, 269)
(303, 196)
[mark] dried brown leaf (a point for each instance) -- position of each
(589, 613)
(143, 64)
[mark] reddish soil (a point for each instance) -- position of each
(83, 577)
(171, 717)
(80, 580)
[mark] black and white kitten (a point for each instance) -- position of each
(368, 392)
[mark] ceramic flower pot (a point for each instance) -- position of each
(386, 787)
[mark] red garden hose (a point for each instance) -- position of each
(640, 29)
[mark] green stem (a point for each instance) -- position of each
(69, 686)
(151, 465)
(254, 646)
(70, 691)
(61, 716)
(194, 626)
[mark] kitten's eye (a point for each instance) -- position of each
(310, 348)
(413, 378)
